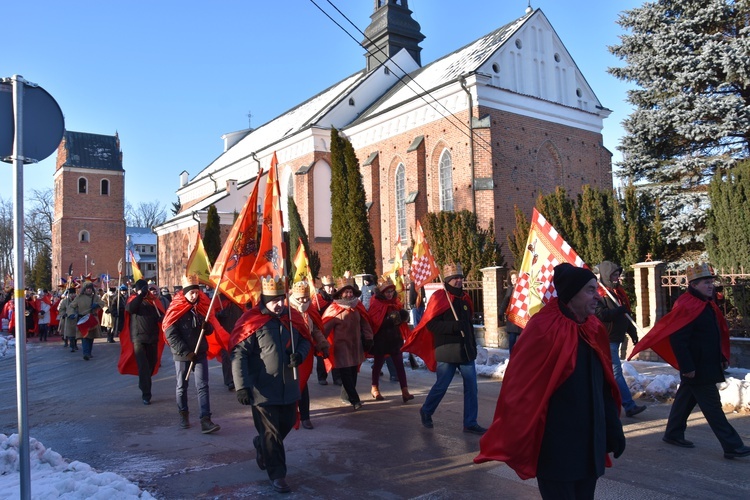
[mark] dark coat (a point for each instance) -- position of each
(450, 345)
(697, 347)
(260, 363)
(388, 339)
(144, 321)
(183, 335)
(609, 313)
(509, 327)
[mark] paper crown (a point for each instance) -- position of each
(702, 270)
(344, 282)
(190, 280)
(451, 270)
(272, 286)
(327, 280)
(385, 285)
(301, 289)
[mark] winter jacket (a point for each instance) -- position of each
(611, 314)
(345, 332)
(451, 346)
(144, 321)
(260, 363)
(83, 305)
(183, 335)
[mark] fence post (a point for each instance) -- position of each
(649, 293)
(493, 291)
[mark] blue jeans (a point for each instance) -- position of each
(445, 372)
(87, 345)
(627, 399)
(415, 315)
(200, 369)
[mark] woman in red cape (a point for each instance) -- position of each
(127, 365)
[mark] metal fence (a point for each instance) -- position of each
(732, 295)
(474, 289)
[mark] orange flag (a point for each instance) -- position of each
(232, 271)
(137, 274)
(272, 251)
(423, 267)
(198, 263)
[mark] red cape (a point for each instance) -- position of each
(253, 319)
(378, 310)
(420, 340)
(331, 312)
(127, 365)
(545, 357)
(685, 310)
(218, 341)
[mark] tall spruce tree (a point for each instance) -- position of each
(297, 232)
(212, 234)
(41, 274)
(352, 245)
(728, 239)
(517, 239)
(688, 59)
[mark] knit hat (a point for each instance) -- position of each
(141, 285)
(569, 280)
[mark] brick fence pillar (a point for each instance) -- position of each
(650, 299)
(493, 290)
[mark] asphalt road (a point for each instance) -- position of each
(86, 411)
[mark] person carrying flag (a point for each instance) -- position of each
(557, 415)
(445, 340)
(270, 342)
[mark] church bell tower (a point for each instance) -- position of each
(392, 29)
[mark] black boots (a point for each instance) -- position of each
(184, 422)
(207, 427)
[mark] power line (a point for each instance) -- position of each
(460, 127)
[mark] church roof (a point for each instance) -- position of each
(95, 151)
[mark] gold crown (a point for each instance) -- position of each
(386, 284)
(327, 280)
(453, 269)
(342, 282)
(697, 271)
(190, 280)
(301, 289)
(272, 286)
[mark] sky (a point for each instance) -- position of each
(171, 77)
(54, 476)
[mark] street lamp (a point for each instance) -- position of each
(86, 264)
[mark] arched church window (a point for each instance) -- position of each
(446, 181)
(401, 201)
(82, 185)
(84, 237)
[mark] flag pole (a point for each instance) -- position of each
(119, 282)
(203, 326)
(291, 328)
(614, 299)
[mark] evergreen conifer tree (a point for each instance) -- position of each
(517, 239)
(688, 59)
(41, 274)
(297, 231)
(728, 240)
(212, 234)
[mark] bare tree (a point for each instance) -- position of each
(6, 237)
(145, 214)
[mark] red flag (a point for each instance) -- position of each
(272, 251)
(232, 272)
(423, 267)
(545, 249)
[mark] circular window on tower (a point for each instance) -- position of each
(496, 67)
(557, 57)
(518, 43)
(579, 93)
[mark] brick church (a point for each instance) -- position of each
(486, 127)
(88, 232)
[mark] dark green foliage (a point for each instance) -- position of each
(297, 231)
(352, 245)
(176, 207)
(457, 237)
(212, 234)
(728, 241)
(41, 274)
(517, 239)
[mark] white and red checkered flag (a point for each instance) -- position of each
(423, 268)
(545, 249)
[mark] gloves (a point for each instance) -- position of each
(243, 396)
(395, 318)
(208, 328)
(73, 316)
(368, 344)
(295, 359)
(616, 442)
(191, 356)
(324, 352)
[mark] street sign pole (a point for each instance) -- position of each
(18, 274)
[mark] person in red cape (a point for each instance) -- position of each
(613, 314)
(141, 339)
(694, 338)
(268, 348)
(445, 340)
(43, 306)
(389, 322)
(347, 326)
(299, 299)
(321, 301)
(187, 331)
(557, 416)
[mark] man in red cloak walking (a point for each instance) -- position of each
(557, 416)
(694, 338)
